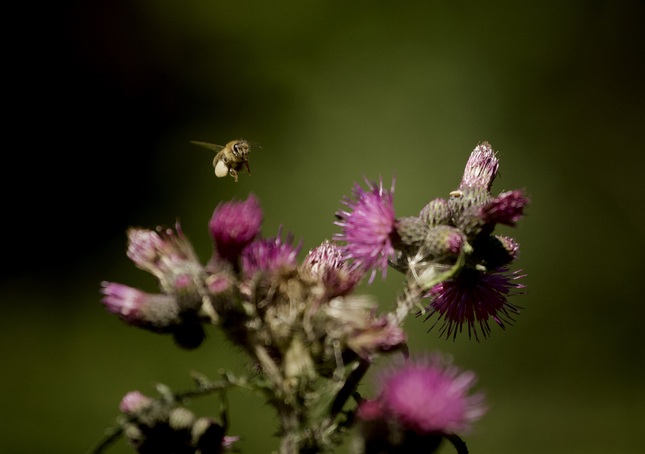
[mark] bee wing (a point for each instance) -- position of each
(210, 146)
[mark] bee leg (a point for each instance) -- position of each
(233, 173)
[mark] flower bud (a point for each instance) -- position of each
(443, 241)
(133, 434)
(507, 208)
(481, 168)
(436, 212)
(465, 206)
(156, 312)
(133, 402)
(187, 290)
(511, 246)
(207, 435)
(327, 263)
(181, 418)
(269, 255)
(496, 251)
(166, 254)
(234, 225)
(411, 233)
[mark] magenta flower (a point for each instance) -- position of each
(133, 402)
(269, 255)
(166, 254)
(135, 307)
(507, 208)
(481, 168)
(429, 395)
(472, 298)
(367, 227)
(327, 263)
(234, 225)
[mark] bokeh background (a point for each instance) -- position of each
(105, 97)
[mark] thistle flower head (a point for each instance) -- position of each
(471, 298)
(367, 226)
(507, 208)
(481, 168)
(138, 308)
(436, 212)
(511, 246)
(327, 263)
(133, 402)
(234, 225)
(430, 395)
(166, 254)
(269, 255)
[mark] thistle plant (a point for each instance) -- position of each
(310, 338)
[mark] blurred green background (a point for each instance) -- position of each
(107, 96)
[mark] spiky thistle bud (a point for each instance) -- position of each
(134, 402)
(156, 312)
(494, 252)
(436, 212)
(181, 418)
(411, 233)
(481, 168)
(443, 241)
(507, 208)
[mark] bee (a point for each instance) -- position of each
(230, 158)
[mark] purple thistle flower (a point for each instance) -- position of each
(481, 168)
(367, 227)
(327, 263)
(510, 245)
(269, 255)
(159, 251)
(234, 225)
(507, 208)
(127, 302)
(138, 308)
(133, 402)
(429, 395)
(472, 298)
(166, 254)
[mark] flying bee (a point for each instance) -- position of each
(230, 158)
